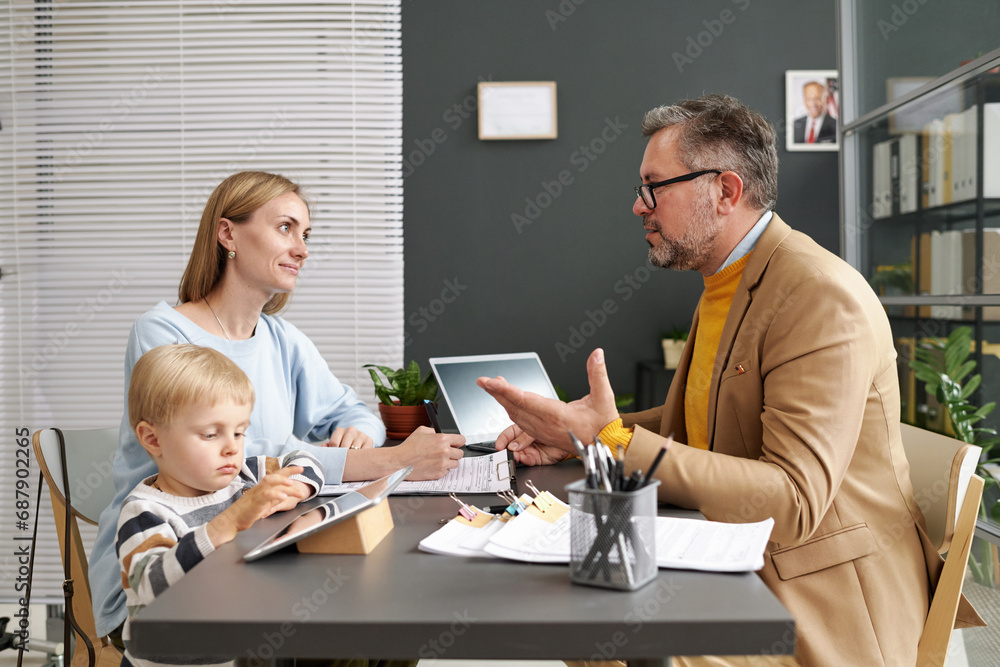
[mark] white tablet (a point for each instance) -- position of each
(332, 511)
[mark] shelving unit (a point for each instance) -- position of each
(920, 218)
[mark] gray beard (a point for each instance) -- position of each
(693, 249)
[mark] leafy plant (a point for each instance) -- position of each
(899, 276)
(943, 366)
(405, 384)
(676, 333)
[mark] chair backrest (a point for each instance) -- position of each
(88, 461)
(89, 454)
(947, 489)
(940, 470)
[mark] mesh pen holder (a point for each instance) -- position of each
(612, 536)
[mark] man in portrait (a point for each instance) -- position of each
(816, 127)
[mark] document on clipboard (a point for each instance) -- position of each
(475, 474)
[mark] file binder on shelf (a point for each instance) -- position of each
(991, 150)
(909, 172)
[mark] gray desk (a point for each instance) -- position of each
(399, 602)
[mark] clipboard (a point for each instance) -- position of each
(334, 510)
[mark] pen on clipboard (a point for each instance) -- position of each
(432, 414)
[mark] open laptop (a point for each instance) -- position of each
(477, 414)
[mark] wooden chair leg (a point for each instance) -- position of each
(83, 610)
(933, 647)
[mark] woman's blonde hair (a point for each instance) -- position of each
(235, 199)
(171, 377)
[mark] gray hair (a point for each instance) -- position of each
(719, 132)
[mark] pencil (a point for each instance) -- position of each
(656, 461)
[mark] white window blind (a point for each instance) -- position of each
(118, 119)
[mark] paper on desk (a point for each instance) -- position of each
(688, 544)
(692, 544)
(528, 538)
(474, 474)
(458, 538)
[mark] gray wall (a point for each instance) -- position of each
(475, 282)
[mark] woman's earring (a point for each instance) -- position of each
(232, 254)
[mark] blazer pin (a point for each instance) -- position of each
(739, 369)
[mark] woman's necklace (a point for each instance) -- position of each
(205, 298)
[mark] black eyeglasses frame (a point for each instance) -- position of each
(649, 187)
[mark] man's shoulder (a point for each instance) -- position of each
(799, 262)
(801, 256)
(800, 250)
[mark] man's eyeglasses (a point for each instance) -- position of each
(645, 192)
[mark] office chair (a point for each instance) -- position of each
(947, 489)
(88, 463)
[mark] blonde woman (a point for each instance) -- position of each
(250, 247)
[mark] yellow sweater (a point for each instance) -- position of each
(712, 312)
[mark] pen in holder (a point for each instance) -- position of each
(612, 536)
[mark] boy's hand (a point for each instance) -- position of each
(257, 502)
(302, 491)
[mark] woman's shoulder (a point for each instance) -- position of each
(283, 330)
(292, 344)
(163, 325)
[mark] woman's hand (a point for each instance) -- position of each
(351, 438)
(431, 454)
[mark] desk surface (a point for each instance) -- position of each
(399, 602)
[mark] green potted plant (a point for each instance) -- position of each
(404, 413)
(893, 279)
(944, 367)
(673, 344)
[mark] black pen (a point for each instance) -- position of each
(634, 481)
(656, 461)
(620, 468)
(591, 468)
(432, 414)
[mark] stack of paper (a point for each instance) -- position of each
(689, 544)
(460, 537)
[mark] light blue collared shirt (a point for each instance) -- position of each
(749, 241)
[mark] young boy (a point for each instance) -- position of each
(189, 407)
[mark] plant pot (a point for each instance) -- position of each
(402, 420)
(672, 352)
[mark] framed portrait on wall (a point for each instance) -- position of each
(812, 101)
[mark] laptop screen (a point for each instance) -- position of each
(478, 416)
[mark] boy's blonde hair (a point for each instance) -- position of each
(170, 377)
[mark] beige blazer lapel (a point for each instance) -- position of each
(768, 242)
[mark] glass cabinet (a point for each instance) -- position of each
(923, 173)
(920, 208)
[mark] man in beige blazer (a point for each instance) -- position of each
(803, 410)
